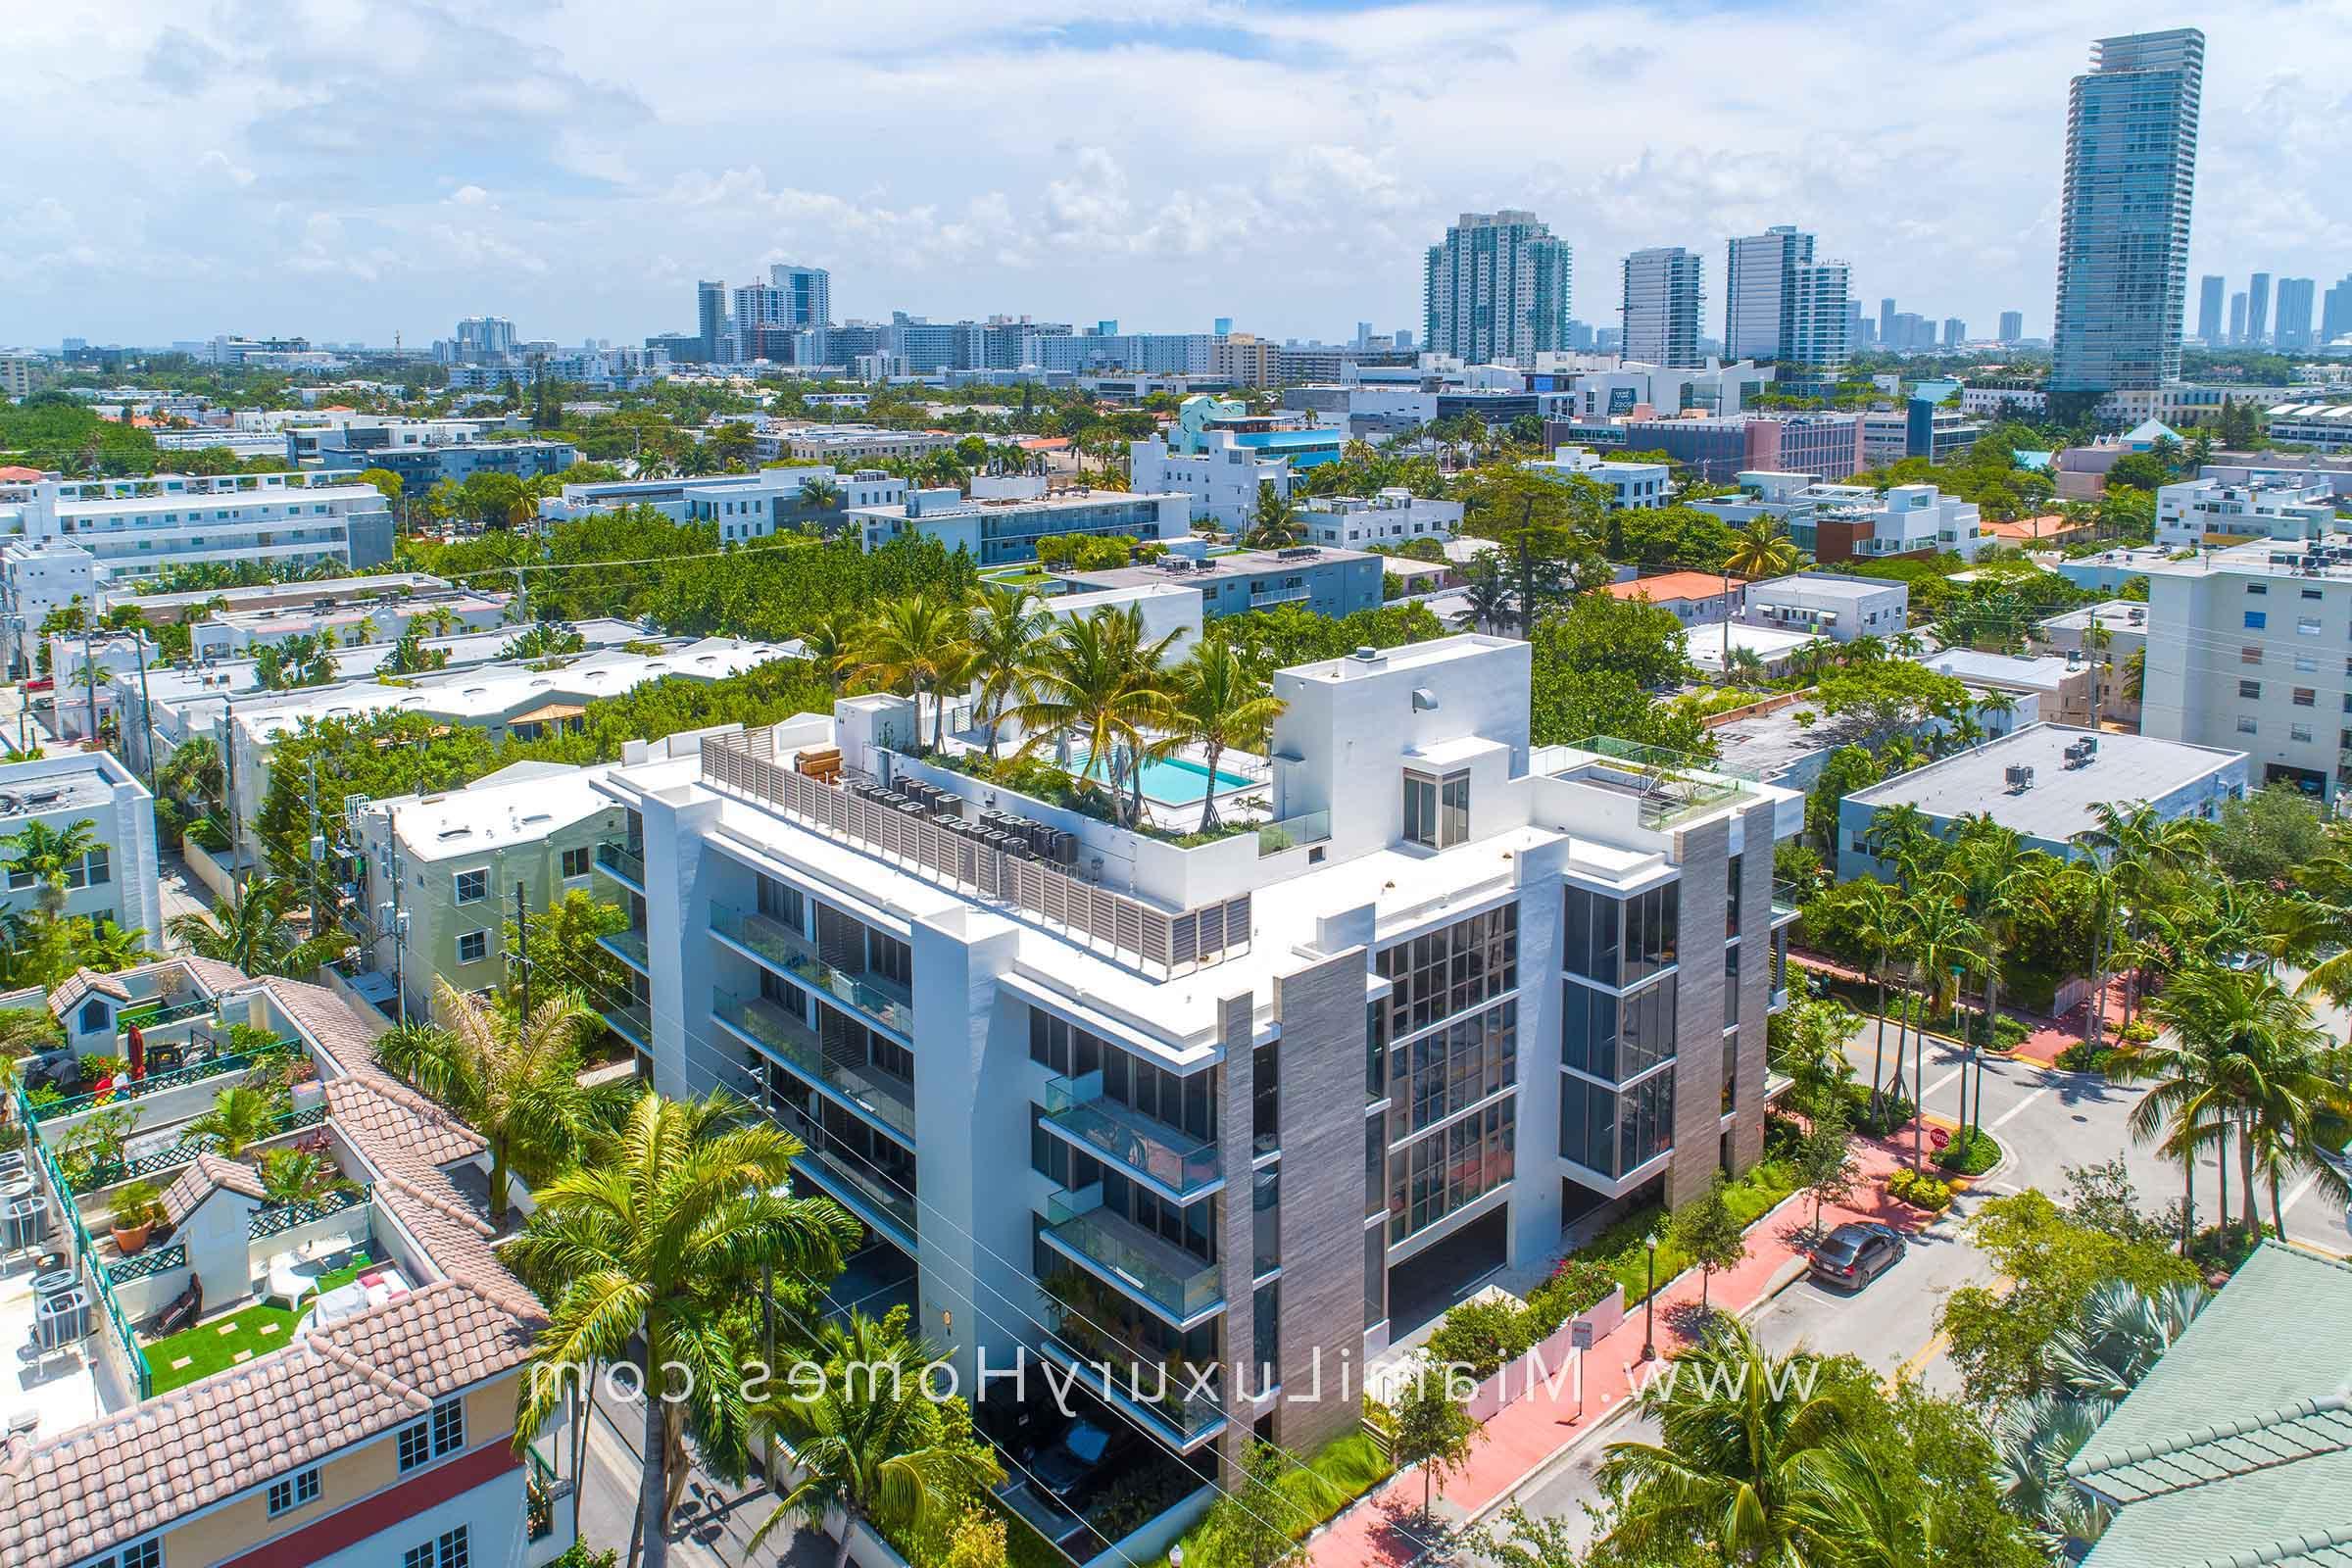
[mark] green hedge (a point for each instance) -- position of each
(1620, 1249)
(1484, 1334)
(1309, 1494)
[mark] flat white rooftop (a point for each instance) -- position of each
(2058, 803)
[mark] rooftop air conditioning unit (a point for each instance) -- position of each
(2091, 746)
(2017, 778)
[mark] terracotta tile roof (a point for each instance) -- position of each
(82, 983)
(1670, 585)
(17, 474)
(207, 1176)
(373, 1108)
(91, 1489)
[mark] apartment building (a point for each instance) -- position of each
(1393, 516)
(67, 539)
(741, 506)
(2104, 638)
(433, 877)
(1718, 448)
(1212, 469)
(116, 879)
(1001, 521)
(2257, 655)
(371, 1421)
(2267, 505)
(198, 603)
(839, 444)
(1322, 581)
(1856, 524)
(1267, 1098)
(1631, 486)
(348, 622)
(2322, 427)
(1696, 598)
(1829, 604)
(1921, 429)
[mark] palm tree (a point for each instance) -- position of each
(241, 1116)
(2249, 1059)
(50, 857)
(1728, 1468)
(1945, 943)
(1488, 590)
(514, 1077)
(1759, 550)
(2099, 885)
(646, 1246)
(195, 769)
(256, 934)
(1275, 522)
(1998, 879)
(1215, 704)
(820, 495)
(1880, 916)
(867, 1441)
(1003, 636)
(917, 643)
(830, 640)
(1100, 677)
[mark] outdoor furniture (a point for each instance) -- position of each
(284, 1282)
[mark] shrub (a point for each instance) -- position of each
(1575, 1285)
(2082, 1056)
(1481, 1335)
(1972, 1156)
(2139, 1031)
(1907, 1186)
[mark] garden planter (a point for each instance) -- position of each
(129, 1241)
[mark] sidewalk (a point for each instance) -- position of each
(1385, 1527)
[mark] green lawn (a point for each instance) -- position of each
(1343, 1471)
(231, 1340)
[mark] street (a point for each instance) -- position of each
(2047, 1120)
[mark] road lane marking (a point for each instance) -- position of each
(2002, 1121)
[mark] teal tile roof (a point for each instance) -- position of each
(2236, 1448)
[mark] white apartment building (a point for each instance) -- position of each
(1244, 1100)
(1626, 388)
(1909, 519)
(1632, 487)
(2268, 505)
(1001, 521)
(63, 539)
(1221, 478)
(2327, 426)
(117, 880)
(348, 622)
(1826, 605)
(1394, 516)
(432, 877)
(741, 506)
(2256, 656)
(850, 443)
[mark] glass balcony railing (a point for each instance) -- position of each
(1118, 1135)
(633, 1021)
(1143, 1380)
(886, 1004)
(1180, 1286)
(889, 1098)
(864, 1190)
(629, 947)
(627, 863)
(1309, 827)
(1784, 902)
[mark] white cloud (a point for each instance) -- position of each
(1160, 161)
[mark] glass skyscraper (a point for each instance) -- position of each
(1779, 303)
(1496, 290)
(1662, 288)
(2122, 225)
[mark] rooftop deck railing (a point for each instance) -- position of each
(1127, 928)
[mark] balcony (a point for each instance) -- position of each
(1268, 598)
(1167, 1158)
(1089, 1346)
(880, 1200)
(861, 1087)
(1784, 903)
(1170, 1281)
(629, 947)
(885, 1004)
(622, 863)
(633, 1021)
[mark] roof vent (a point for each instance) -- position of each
(1369, 655)
(1424, 700)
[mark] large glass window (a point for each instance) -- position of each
(1620, 941)
(1433, 1075)
(1453, 971)
(1191, 1225)
(1616, 1038)
(1451, 1169)
(1612, 1131)
(1184, 1102)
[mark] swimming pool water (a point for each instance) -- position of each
(1175, 782)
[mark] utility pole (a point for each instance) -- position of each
(400, 991)
(520, 957)
(89, 676)
(317, 844)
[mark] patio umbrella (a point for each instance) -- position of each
(138, 1052)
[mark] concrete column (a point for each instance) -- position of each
(1755, 986)
(1703, 853)
(1237, 1084)
(677, 921)
(1321, 1334)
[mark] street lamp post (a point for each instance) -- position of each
(1649, 1302)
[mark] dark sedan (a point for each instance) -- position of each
(1853, 1255)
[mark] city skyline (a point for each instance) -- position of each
(588, 205)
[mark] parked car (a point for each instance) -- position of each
(1854, 1254)
(1070, 1468)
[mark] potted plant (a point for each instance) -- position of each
(137, 1210)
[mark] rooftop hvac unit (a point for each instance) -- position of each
(2091, 746)
(2017, 778)
(25, 1223)
(62, 1319)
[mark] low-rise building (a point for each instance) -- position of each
(1696, 598)
(2113, 571)
(2106, 637)
(1725, 646)
(1221, 477)
(117, 879)
(1909, 519)
(348, 622)
(2253, 655)
(1786, 739)
(427, 463)
(433, 877)
(1325, 582)
(851, 444)
(1829, 604)
(1631, 486)
(159, 610)
(1716, 447)
(740, 506)
(1001, 521)
(370, 1418)
(2043, 781)
(1921, 429)
(2324, 427)
(2267, 506)
(2063, 685)
(1394, 516)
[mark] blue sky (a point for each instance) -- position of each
(346, 168)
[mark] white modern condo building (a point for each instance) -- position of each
(1257, 1103)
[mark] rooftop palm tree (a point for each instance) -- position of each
(917, 643)
(867, 1443)
(1215, 704)
(1759, 550)
(256, 934)
(49, 855)
(643, 1250)
(1100, 677)
(241, 1116)
(1727, 1470)
(514, 1077)
(1003, 636)
(1276, 523)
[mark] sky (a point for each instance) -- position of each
(348, 168)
